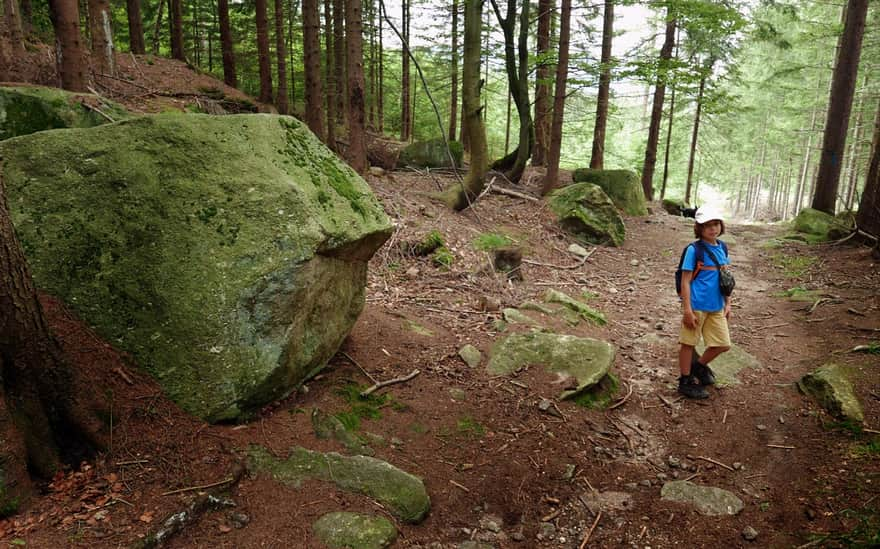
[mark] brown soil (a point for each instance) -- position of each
(495, 454)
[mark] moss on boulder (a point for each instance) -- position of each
(622, 186)
(813, 222)
(585, 360)
(431, 154)
(400, 492)
(227, 254)
(354, 531)
(584, 210)
(28, 109)
(832, 389)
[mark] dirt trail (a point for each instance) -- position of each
(497, 468)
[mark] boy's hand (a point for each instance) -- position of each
(690, 319)
(727, 310)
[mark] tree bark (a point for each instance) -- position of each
(281, 100)
(597, 160)
(453, 69)
(329, 74)
(176, 15)
(460, 196)
(226, 44)
(868, 216)
(657, 108)
(839, 106)
(339, 63)
(47, 415)
(357, 146)
(158, 26)
(13, 23)
(542, 85)
(405, 114)
(694, 136)
(263, 54)
(314, 113)
(70, 53)
(668, 144)
(103, 59)
(135, 27)
(550, 181)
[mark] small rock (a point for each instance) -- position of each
(491, 523)
(396, 442)
(377, 171)
(517, 536)
(761, 427)
(659, 326)
(578, 250)
(239, 520)
(489, 304)
(646, 483)
(662, 476)
(749, 533)
(547, 407)
(634, 262)
(673, 462)
(569, 471)
(782, 420)
(412, 272)
(470, 355)
(737, 465)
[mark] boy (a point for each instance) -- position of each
(704, 310)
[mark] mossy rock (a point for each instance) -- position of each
(432, 154)
(227, 254)
(354, 531)
(813, 222)
(585, 360)
(844, 223)
(832, 389)
(622, 186)
(401, 493)
(672, 206)
(584, 210)
(581, 309)
(28, 109)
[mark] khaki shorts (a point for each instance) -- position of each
(711, 326)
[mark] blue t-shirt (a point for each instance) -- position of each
(705, 293)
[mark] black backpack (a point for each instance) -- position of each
(700, 249)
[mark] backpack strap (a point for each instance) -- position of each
(699, 257)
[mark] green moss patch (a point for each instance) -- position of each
(584, 210)
(622, 186)
(354, 531)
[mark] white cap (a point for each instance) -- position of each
(706, 214)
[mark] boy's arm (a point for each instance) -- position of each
(689, 319)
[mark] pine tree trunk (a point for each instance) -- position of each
(357, 147)
(405, 114)
(135, 27)
(694, 136)
(14, 32)
(550, 181)
(329, 74)
(371, 104)
(668, 144)
(597, 160)
(281, 99)
(453, 70)
(339, 64)
(854, 151)
(27, 18)
(103, 59)
(314, 113)
(226, 45)
(263, 54)
(542, 86)
(176, 15)
(157, 28)
(868, 216)
(381, 106)
(657, 109)
(839, 106)
(71, 53)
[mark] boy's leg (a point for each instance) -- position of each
(716, 334)
(688, 385)
(685, 352)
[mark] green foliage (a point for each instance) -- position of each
(469, 427)
(798, 293)
(868, 450)
(491, 241)
(443, 257)
(429, 243)
(359, 408)
(872, 348)
(793, 266)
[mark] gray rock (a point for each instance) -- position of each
(606, 501)
(707, 500)
(458, 395)
(832, 389)
(728, 365)
(491, 523)
(578, 250)
(354, 531)
(470, 355)
(515, 316)
(749, 533)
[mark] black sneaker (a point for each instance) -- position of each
(702, 372)
(690, 387)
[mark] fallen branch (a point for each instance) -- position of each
(564, 267)
(382, 384)
(121, 373)
(514, 194)
(710, 460)
(590, 531)
(202, 487)
(353, 361)
(816, 304)
(779, 446)
(457, 485)
(624, 399)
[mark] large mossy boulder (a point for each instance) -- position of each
(354, 531)
(831, 387)
(622, 187)
(227, 254)
(814, 222)
(431, 154)
(28, 109)
(584, 210)
(585, 361)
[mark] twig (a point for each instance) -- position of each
(691, 477)
(202, 487)
(724, 419)
(590, 531)
(817, 303)
(710, 460)
(382, 384)
(782, 447)
(514, 194)
(551, 516)
(457, 485)
(125, 377)
(353, 361)
(132, 462)
(665, 401)
(624, 399)
(563, 267)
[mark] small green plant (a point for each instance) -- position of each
(431, 242)
(793, 266)
(368, 407)
(798, 293)
(468, 426)
(491, 241)
(443, 257)
(869, 449)
(418, 428)
(872, 348)
(764, 506)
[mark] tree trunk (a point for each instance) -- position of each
(542, 86)
(854, 151)
(70, 53)
(597, 160)
(657, 109)
(839, 106)
(668, 144)
(226, 45)
(357, 146)
(27, 18)
(329, 74)
(339, 58)
(459, 196)
(263, 54)
(381, 106)
(135, 27)
(176, 15)
(103, 59)
(371, 109)
(47, 415)
(694, 136)
(158, 27)
(14, 32)
(281, 100)
(453, 70)
(405, 114)
(868, 216)
(314, 113)
(550, 181)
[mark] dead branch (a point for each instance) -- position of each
(590, 531)
(121, 373)
(382, 384)
(361, 368)
(514, 194)
(716, 462)
(624, 399)
(564, 267)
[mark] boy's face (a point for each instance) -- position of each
(711, 229)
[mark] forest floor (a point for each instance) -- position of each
(497, 467)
